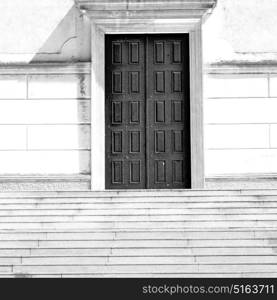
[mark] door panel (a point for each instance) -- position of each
(125, 107)
(147, 112)
(167, 101)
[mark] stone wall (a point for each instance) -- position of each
(241, 31)
(43, 31)
(240, 123)
(44, 117)
(240, 55)
(45, 121)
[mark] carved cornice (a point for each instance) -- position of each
(145, 9)
(46, 68)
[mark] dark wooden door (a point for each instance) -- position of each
(147, 112)
(125, 112)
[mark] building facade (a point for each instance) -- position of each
(66, 74)
(52, 144)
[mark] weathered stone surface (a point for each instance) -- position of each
(45, 30)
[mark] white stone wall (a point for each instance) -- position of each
(44, 123)
(240, 123)
(240, 55)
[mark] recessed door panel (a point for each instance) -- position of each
(125, 121)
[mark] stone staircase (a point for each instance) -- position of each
(176, 233)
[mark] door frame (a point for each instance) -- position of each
(102, 26)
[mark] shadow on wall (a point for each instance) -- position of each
(69, 42)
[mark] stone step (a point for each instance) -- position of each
(146, 225)
(149, 260)
(137, 218)
(10, 260)
(139, 199)
(167, 275)
(156, 243)
(139, 235)
(147, 275)
(6, 269)
(128, 206)
(60, 234)
(174, 251)
(18, 252)
(137, 193)
(140, 193)
(137, 243)
(137, 269)
(139, 212)
(127, 230)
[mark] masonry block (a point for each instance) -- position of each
(240, 110)
(237, 136)
(45, 162)
(13, 87)
(242, 161)
(59, 86)
(13, 137)
(44, 111)
(219, 86)
(59, 137)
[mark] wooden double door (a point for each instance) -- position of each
(147, 111)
